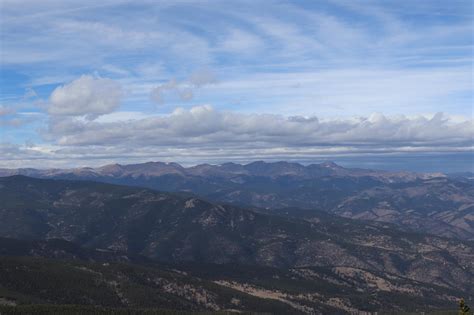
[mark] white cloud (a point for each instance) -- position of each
(203, 134)
(157, 93)
(87, 96)
(184, 89)
(122, 116)
(209, 128)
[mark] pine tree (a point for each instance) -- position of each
(463, 308)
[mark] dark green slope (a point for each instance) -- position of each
(26, 280)
(151, 285)
(174, 229)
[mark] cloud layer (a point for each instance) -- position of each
(203, 134)
(205, 126)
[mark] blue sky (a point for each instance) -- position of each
(211, 81)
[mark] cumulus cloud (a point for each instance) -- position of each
(204, 134)
(205, 127)
(86, 96)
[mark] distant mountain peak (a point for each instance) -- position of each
(112, 169)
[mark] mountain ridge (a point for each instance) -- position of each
(434, 203)
(259, 168)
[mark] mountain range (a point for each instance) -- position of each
(435, 203)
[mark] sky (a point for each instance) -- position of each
(378, 84)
